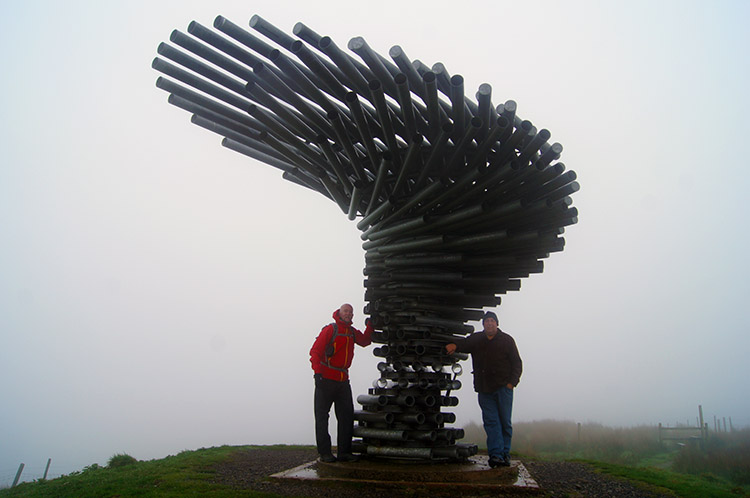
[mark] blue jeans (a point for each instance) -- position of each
(496, 409)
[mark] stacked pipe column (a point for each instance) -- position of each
(457, 198)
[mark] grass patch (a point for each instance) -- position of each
(189, 473)
(719, 468)
(683, 485)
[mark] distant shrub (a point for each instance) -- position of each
(121, 460)
(724, 454)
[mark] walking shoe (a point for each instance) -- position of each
(496, 461)
(506, 461)
(346, 457)
(329, 458)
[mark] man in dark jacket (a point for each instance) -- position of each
(497, 370)
(331, 356)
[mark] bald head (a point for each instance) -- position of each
(346, 312)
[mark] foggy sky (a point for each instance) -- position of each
(159, 292)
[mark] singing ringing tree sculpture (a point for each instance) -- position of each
(458, 200)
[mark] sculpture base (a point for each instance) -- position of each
(474, 474)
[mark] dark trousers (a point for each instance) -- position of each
(330, 392)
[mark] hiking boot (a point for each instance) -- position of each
(496, 461)
(506, 461)
(346, 457)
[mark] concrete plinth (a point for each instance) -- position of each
(474, 474)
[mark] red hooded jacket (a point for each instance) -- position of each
(336, 367)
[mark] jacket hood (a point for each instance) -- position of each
(338, 319)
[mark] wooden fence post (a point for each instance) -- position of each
(49, 461)
(18, 476)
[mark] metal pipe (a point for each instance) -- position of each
(264, 72)
(486, 110)
(386, 434)
(380, 417)
(411, 162)
(356, 81)
(354, 202)
(257, 154)
(282, 112)
(458, 107)
(344, 140)
(417, 418)
(407, 68)
(406, 104)
(374, 215)
(435, 160)
(385, 165)
(367, 399)
(359, 46)
(200, 84)
(386, 120)
(435, 114)
(269, 31)
(206, 103)
(338, 168)
(400, 452)
(457, 158)
(320, 69)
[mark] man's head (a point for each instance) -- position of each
(489, 322)
(346, 313)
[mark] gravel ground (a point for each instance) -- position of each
(249, 469)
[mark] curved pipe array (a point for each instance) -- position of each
(458, 200)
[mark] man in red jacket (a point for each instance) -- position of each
(331, 356)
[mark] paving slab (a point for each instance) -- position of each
(474, 474)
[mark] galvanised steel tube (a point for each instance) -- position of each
(457, 158)
(198, 67)
(435, 114)
(209, 104)
(400, 452)
(404, 64)
(458, 108)
(344, 140)
(385, 165)
(435, 160)
(359, 46)
(332, 85)
(407, 106)
(289, 96)
(256, 153)
(338, 168)
(366, 399)
(386, 434)
(239, 128)
(344, 63)
(486, 110)
(277, 129)
(269, 31)
(384, 417)
(386, 120)
(300, 79)
(283, 114)
(411, 162)
(365, 131)
(200, 84)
